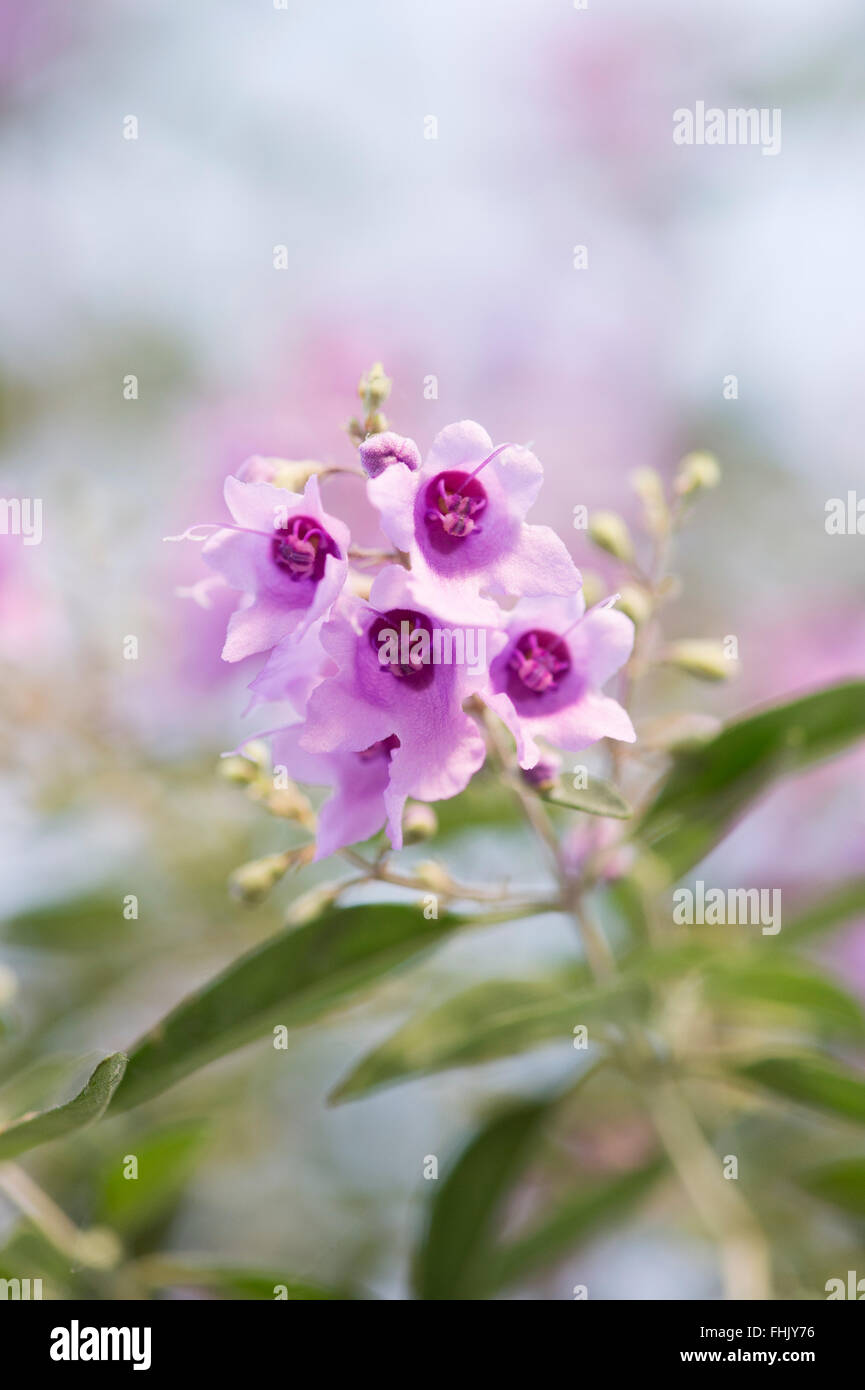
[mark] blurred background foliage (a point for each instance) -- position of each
(450, 258)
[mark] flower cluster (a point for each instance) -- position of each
(379, 676)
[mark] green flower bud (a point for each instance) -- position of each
(702, 658)
(239, 770)
(374, 387)
(635, 603)
(252, 882)
(696, 472)
(609, 532)
(419, 823)
(649, 487)
(594, 588)
(295, 476)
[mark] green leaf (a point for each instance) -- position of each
(453, 1255)
(785, 986)
(599, 798)
(842, 1184)
(496, 1019)
(841, 905)
(710, 787)
(813, 1081)
(80, 924)
(232, 1281)
(460, 1257)
(166, 1160)
(573, 1221)
(291, 978)
(88, 1105)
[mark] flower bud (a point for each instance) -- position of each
(374, 387)
(702, 658)
(278, 472)
(295, 476)
(609, 532)
(544, 775)
(237, 769)
(697, 471)
(381, 451)
(98, 1248)
(311, 905)
(635, 603)
(649, 487)
(419, 823)
(252, 882)
(594, 588)
(435, 877)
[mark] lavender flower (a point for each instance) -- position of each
(461, 517)
(547, 681)
(288, 556)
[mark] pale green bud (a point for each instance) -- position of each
(702, 658)
(609, 532)
(419, 823)
(635, 603)
(696, 472)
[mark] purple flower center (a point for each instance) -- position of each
(402, 641)
(383, 749)
(453, 503)
(538, 662)
(301, 548)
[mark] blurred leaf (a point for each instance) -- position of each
(452, 1262)
(166, 1159)
(842, 1184)
(599, 798)
(841, 905)
(572, 1221)
(710, 787)
(481, 804)
(496, 1019)
(788, 985)
(460, 1256)
(813, 1081)
(83, 922)
(289, 979)
(88, 1105)
(41, 1081)
(232, 1281)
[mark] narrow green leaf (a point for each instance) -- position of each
(496, 1019)
(599, 798)
(88, 1105)
(709, 788)
(232, 1281)
(289, 979)
(785, 986)
(166, 1159)
(841, 905)
(573, 1221)
(451, 1262)
(813, 1081)
(842, 1184)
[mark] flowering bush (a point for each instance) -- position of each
(440, 681)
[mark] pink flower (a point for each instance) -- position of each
(292, 671)
(546, 682)
(288, 556)
(461, 517)
(356, 809)
(403, 673)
